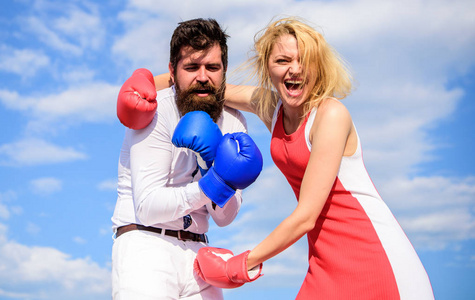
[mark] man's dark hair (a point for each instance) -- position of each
(200, 34)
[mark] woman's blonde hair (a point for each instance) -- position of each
(317, 57)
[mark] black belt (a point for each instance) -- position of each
(179, 234)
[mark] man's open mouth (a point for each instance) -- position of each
(203, 91)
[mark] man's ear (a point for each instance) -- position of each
(172, 73)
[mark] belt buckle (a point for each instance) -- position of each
(179, 236)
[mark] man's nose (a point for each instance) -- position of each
(202, 75)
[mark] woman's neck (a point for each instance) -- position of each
(292, 119)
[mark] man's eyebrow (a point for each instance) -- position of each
(189, 64)
(214, 65)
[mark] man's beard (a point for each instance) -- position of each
(187, 101)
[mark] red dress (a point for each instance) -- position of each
(357, 249)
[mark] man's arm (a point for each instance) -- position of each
(223, 216)
(151, 159)
(233, 121)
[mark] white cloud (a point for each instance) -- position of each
(79, 74)
(46, 273)
(146, 46)
(50, 37)
(108, 185)
(5, 198)
(431, 193)
(14, 295)
(436, 212)
(440, 230)
(32, 228)
(23, 62)
(71, 29)
(34, 151)
(3, 233)
(79, 240)
(46, 185)
(88, 103)
(4, 212)
(85, 26)
(106, 230)
(17, 210)
(94, 102)
(152, 23)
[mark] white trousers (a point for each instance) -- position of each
(152, 266)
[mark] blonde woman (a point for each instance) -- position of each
(357, 250)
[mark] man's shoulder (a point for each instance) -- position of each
(167, 94)
(167, 111)
(232, 120)
(229, 112)
(166, 100)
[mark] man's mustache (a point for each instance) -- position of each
(202, 87)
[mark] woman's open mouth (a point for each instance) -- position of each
(294, 87)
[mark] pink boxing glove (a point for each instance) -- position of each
(219, 267)
(137, 103)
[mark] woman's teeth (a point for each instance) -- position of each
(293, 85)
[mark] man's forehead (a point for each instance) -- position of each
(211, 55)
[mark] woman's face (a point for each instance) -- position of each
(286, 72)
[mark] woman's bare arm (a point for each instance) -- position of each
(162, 81)
(329, 134)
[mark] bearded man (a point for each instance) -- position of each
(173, 169)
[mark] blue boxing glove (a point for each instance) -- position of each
(238, 163)
(197, 132)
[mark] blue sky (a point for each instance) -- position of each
(62, 64)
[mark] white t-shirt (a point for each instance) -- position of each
(156, 186)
